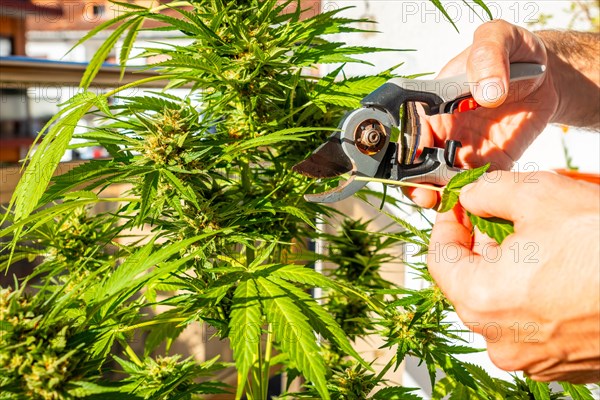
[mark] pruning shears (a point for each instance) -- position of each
(362, 145)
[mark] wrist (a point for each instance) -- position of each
(551, 70)
(573, 76)
(554, 74)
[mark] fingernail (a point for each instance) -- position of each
(489, 90)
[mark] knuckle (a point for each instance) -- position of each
(542, 378)
(502, 360)
(488, 53)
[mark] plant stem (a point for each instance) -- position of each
(257, 388)
(248, 390)
(267, 362)
(399, 183)
(386, 368)
(131, 353)
(139, 82)
(149, 323)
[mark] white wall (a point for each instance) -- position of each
(418, 25)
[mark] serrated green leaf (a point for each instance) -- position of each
(452, 189)
(100, 55)
(46, 157)
(103, 341)
(496, 228)
(164, 332)
(540, 390)
(418, 233)
(443, 388)
(187, 193)
(128, 43)
(449, 200)
(469, 176)
(461, 392)
(87, 172)
(577, 392)
(396, 393)
(454, 368)
(81, 194)
(245, 330)
(298, 213)
(130, 276)
(148, 195)
(100, 28)
(302, 274)
(293, 333)
(438, 4)
(481, 375)
(264, 253)
(284, 135)
(320, 320)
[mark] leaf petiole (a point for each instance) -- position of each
(399, 183)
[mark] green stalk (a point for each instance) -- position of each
(150, 323)
(257, 375)
(385, 369)
(131, 353)
(267, 362)
(399, 183)
(248, 390)
(139, 82)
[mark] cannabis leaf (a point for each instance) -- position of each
(246, 329)
(452, 189)
(577, 392)
(396, 393)
(540, 390)
(496, 228)
(209, 223)
(293, 333)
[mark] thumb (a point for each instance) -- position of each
(500, 194)
(488, 63)
(450, 260)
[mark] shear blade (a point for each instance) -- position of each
(328, 161)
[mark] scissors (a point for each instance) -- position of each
(381, 139)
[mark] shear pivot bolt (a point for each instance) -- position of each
(369, 137)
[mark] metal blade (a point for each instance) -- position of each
(410, 130)
(328, 161)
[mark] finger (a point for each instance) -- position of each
(450, 260)
(578, 375)
(422, 197)
(498, 195)
(496, 44)
(488, 62)
(554, 367)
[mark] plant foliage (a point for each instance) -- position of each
(196, 218)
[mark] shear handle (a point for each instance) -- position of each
(435, 94)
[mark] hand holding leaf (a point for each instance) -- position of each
(496, 228)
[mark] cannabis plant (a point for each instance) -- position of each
(196, 218)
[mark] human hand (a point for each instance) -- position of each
(536, 297)
(510, 119)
